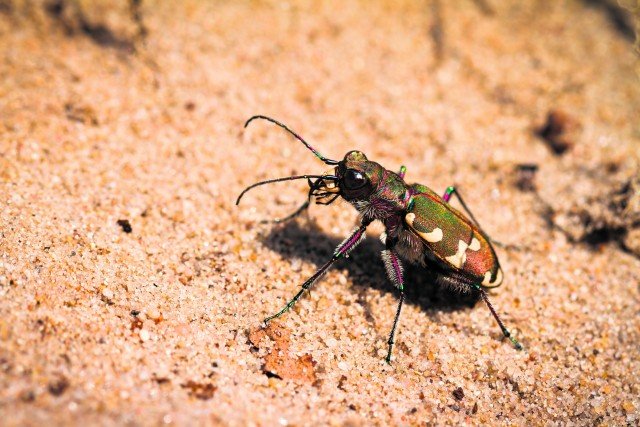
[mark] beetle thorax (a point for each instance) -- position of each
(389, 196)
(374, 191)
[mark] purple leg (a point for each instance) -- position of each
(396, 275)
(341, 251)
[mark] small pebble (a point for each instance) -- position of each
(154, 314)
(107, 295)
(559, 131)
(144, 335)
(458, 393)
(125, 225)
(331, 342)
(628, 406)
(525, 174)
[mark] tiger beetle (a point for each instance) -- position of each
(420, 227)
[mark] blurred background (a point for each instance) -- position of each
(132, 288)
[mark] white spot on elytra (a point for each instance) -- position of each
(432, 237)
(487, 278)
(410, 218)
(474, 245)
(458, 259)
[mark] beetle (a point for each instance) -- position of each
(420, 228)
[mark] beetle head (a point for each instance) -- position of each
(354, 178)
(357, 177)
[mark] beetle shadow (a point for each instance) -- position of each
(366, 268)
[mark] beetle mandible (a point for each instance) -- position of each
(420, 227)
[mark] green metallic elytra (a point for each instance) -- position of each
(452, 238)
(420, 227)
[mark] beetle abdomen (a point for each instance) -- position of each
(453, 239)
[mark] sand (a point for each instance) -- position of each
(132, 289)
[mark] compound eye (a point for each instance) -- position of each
(354, 179)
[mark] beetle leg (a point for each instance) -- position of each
(504, 329)
(450, 191)
(303, 207)
(396, 275)
(341, 251)
(297, 212)
(403, 170)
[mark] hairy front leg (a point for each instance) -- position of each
(396, 275)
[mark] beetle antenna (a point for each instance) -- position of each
(298, 137)
(288, 178)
